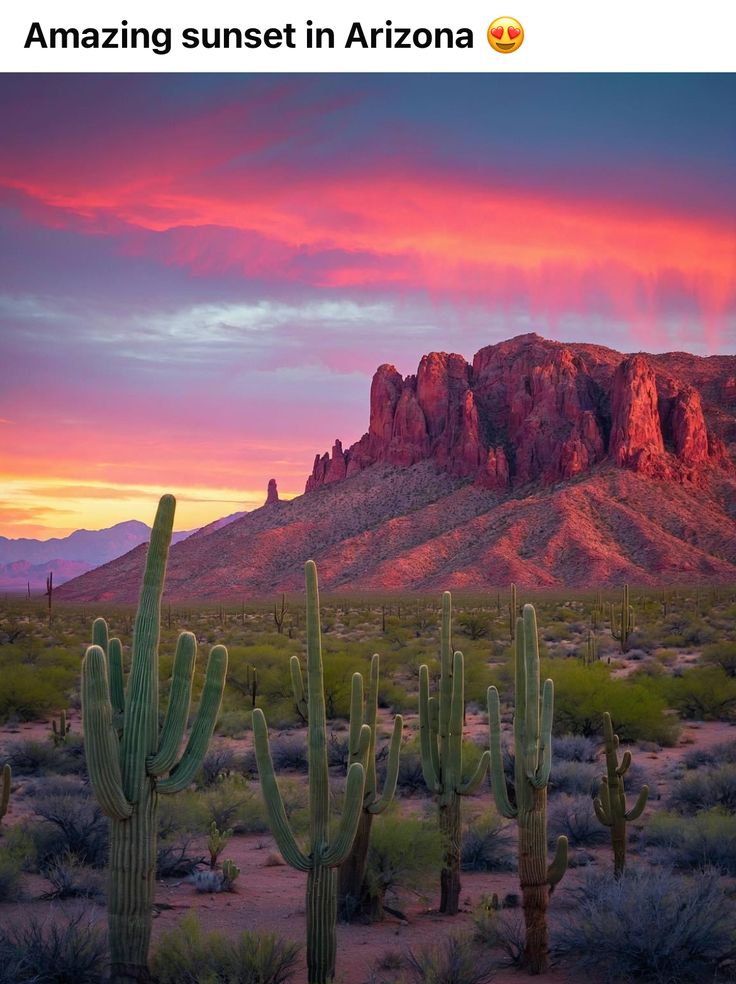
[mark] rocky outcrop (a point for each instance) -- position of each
(272, 494)
(533, 411)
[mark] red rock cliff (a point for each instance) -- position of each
(529, 410)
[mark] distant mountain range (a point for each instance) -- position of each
(27, 561)
(540, 463)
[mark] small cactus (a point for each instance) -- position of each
(622, 625)
(217, 842)
(533, 761)
(7, 776)
(610, 805)
(60, 732)
(230, 872)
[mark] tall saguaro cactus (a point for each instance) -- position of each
(533, 760)
(610, 805)
(127, 752)
(351, 877)
(441, 744)
(325, 855)
(622, 625)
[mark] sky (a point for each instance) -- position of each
(199, 274)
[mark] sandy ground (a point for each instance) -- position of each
(270, 896)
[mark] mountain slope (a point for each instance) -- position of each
(539, 463)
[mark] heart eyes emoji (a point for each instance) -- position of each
(505, 34)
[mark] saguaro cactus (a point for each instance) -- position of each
(513, 611)
(622, 625)
(351, 877)
(610, 805)
(127, 753)
(324, 855)
(7, 777)
(441, 745)
(533, 760)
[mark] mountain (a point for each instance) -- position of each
(27, 561)
(542, 463)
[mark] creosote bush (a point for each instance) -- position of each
(72, 952)
(648, 926)
(690, 843)
(186, 955)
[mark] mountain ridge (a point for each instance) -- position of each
(607, 468)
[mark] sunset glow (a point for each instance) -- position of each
(201, 273)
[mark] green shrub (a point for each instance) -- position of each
(702, 789)
(583, 693)
(403, 851)
(722, 654)
(186, 955)
(703, 693)
(692, 843)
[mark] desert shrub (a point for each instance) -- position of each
(487, 845)
(9, 877)
(30, 692)
(338, 750)
(475, 625)
(34, 758)
(583, 693)
(575, 748)
(71, 880)
(705, 840)
(218, 762)
(402, 852)
(207, 881)
(410, 778)
(704, 789)
(454, 961)
(574, 778)
(186, 955)
(73, 824)
(720, 754)
(649, 926)
(501, 930)
(289, 753)
(69, 953)
(703, 693)
(722, 654)
(176, 859)
(573, 816)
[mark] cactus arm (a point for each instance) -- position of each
(140, 723)
(498, 779)
(531, 663)
(297, 685)
(177, 713)
(352, 809)
(625, 763)
(474, 782)
(558, 867)
(392, 770)
(427, 738)
(356, 716)
(636, 811)
(279, 824)
(101, 741)
(540, 777)
(319, 792)
(115, 675)
(602, 811)
(446, 667)
(209, 707)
